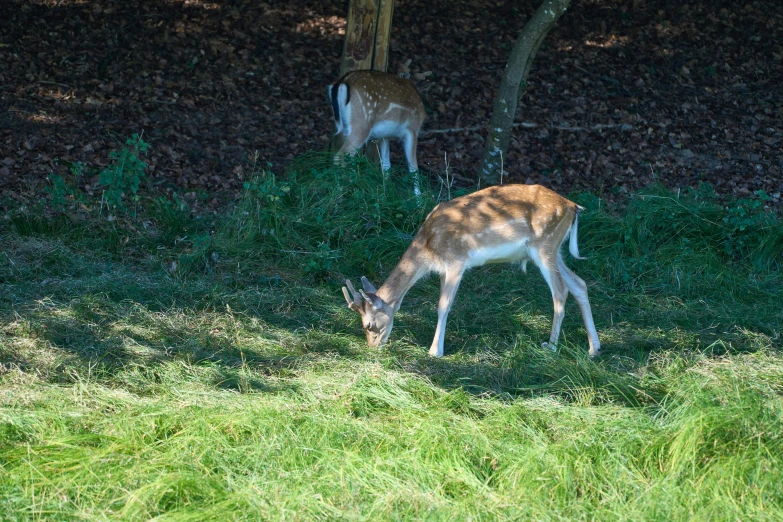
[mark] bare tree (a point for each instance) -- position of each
(513, 81)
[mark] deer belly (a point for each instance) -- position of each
(388, 129)
(502, 253)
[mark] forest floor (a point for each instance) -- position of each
(623, 92)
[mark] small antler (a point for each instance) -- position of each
(354, 299)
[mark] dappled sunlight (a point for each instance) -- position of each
(534, 322)
(598, 41)
(608, 41)
(331, 25)
(60, 3)
(40, 117)
(57, 94)
(626, 337)
(271, 383)
(90, 331)
(61, 99)
(203, 4)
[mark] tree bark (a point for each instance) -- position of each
(512, 86)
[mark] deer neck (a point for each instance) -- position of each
(412, 267)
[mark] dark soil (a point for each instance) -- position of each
(623, 92)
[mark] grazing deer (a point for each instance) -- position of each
(377, 105)
(510, 223)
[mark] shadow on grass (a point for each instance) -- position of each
(253, 337)
(108, 336)
(248, 351)
(526, 370)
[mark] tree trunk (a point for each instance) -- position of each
(512, 82)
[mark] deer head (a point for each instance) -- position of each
(377, 315)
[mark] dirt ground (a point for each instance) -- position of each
(622, 93)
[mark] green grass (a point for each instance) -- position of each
(206, 367)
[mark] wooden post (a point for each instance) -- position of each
(367, 35)
(359, 35)
(380, 58)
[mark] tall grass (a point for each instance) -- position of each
(324, 218)
(206, 368)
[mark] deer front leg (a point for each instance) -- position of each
(449, 283)
(409, 143)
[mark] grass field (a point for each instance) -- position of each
(156, 364)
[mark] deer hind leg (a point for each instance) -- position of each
(550, 270)
(449, 283)
(409, 142)
(384, 153)
(578, 287)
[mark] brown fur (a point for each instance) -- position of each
(375, 97)
(494, 225)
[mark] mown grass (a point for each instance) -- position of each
(206, 367)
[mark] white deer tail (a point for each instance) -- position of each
(573, 246)
(339, 96)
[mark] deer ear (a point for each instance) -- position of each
(374, 301)
(368, 286)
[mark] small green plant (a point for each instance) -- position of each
(200, 256)
(320, 262)
(588, 200)
(126, 170)
(64, 193)
(268, 194)
(705, 192)
(746, 221)
(746, 212)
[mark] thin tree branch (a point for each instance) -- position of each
(528, 125)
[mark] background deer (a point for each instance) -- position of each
(511, 223)
(377, 105)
